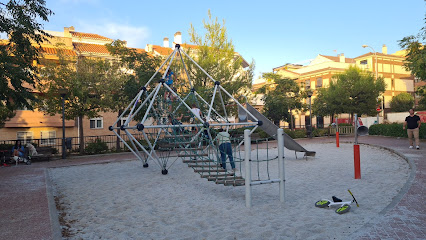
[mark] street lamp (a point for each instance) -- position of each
(377, 71)
(310, 113)
(63, 93)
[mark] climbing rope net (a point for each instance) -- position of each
(163, 124)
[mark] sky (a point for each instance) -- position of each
(270, 33)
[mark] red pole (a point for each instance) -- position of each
(357, 162)
(337, 139)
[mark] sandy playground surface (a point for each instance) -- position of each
(123, 200)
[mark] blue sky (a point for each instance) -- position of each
(271, 33)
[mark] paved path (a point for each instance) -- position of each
(27, 209)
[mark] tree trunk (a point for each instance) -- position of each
(80, 123)
(291, 121)
(117, 143)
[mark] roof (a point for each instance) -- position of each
(91, 48)
(54, 51)
(380, 54)
(89, 35)
(162, 50)
(337, 59)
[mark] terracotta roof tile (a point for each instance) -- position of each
(54, 51)
(89, 35)
(90, 48)
(162, 50)
(337, 59)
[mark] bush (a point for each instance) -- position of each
(393, 130)
(96, 147)
(320, 132)
(6, 146)
(402, 102)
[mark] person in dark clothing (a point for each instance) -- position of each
(412, 122)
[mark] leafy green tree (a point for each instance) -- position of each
(402, 102)
(416, 60)
(416, 53)
(140, 67)
(353, 91)
(88, 83)
(281, 96)
(19, 20)
(217, 56)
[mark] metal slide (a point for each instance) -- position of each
(271, 129)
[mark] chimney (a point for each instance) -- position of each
(342, 58)
(148, 48)
(384, 49)
(178, 38)
(72, 29)
(166, 42)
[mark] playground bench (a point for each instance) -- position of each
(44, 153)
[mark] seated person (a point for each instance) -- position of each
(18, 150)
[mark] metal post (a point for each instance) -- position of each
(247, 152)
(356, 128)
(357, 160)
(64, 154)
(337, 133)
(281, 162)
(310, 116)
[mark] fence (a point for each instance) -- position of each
(343, 130)
(73, 143)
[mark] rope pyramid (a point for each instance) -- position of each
(156, 131)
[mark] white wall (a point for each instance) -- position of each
(398, 117)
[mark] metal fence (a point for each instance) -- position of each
(73, 143)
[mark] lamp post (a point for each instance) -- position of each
(63, 92)
(377, 71)
(310, 113)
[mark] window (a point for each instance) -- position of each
(363, 62)
(25, 137)
(47, 137)
(308, 84)
(96, 123)
(123, 120)
(319, 82)
(320, 121)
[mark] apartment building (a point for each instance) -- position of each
(318, 73)
(28, 125)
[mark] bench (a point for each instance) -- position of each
(43, 153)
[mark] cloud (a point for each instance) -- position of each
(135, 36)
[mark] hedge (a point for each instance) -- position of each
(393, 130)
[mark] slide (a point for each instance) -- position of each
(271, 129)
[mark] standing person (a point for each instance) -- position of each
(225, 148)
(197, 115)
(412, 122)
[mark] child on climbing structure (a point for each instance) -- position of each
(197, 115)
(169, 78)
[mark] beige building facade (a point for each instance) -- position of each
(318, 74)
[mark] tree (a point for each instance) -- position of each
(416, 60)
(353, 91)
(19, 20)
(216, 55)
(415, 54)
(402, 102)
(88, 82)
(140, 67)
(281, 96)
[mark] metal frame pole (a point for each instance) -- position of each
(247, 154)
(280, 136)
(64, 154)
